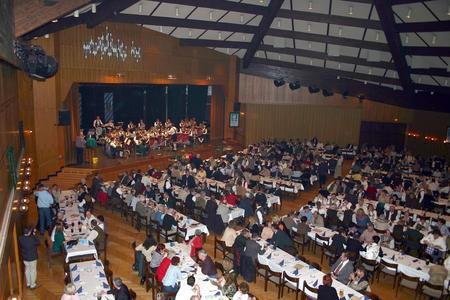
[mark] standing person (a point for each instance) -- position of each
(338, 169)
(322, 171)
(80, 144)
(326, 291)
(28, 244)
(44, 202)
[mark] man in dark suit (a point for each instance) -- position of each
(169, 200)
(322, 171)
(342, 268)
(169, 222)
(353, 244)
(120, 290)
(391, 214)
(281, 240)
(326, 291)
(187, 180)
(338, 242)
(412, 241)
(190, 203)
(246, 205)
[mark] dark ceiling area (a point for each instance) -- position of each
(391, 51)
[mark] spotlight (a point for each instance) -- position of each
(327, 93)
(313, 90)
(279, 82)
(294, 85)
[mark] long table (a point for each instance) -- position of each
(278, 260)
(188, 267)
(90, 280)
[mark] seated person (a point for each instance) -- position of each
(206, 264)
(358, 280)
(342, 268)
(326, 291)
(188, 290)
(373, 249)
(196, 243)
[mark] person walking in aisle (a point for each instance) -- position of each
(28, 244)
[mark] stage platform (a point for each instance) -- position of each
(158, 158)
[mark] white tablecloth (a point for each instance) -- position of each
(293, 187)
(80, 249)
(187, 265)
(192, 226)
(279, 260)
(90, 277)
(272, 199)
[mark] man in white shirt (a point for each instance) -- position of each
(436, 244)
(188, 290)
(373, 249)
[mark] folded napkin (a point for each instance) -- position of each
(393, 257)
(105, 285)
(281, 263)
(80, 290)
(269, 256)
(172, 244)
(101, 275)
(350, 295)
(315, 283)
(98, 264)
(218, 294)
(415, 260)
(295, 272)
(311, 267)
(206, 279)
(91, 243)
(74, 268)
(77, 278)
(419, 268)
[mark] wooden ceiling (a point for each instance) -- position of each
(399, 48)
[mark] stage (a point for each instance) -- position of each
(110, 167)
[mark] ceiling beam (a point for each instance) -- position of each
(264, 25)
(107, 10)
(320, 71)
(223, 5)
(427, 51)
(324, 56)
(386, 15)
(326, 18)
(431, 71)
(63, 23)
(424, 26)
(187, 23)
(214, 43)
(351, 87)
(398, 2)
(313, 37)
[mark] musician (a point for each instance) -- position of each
(141, 125)
(168, 123)
(98, 125)
(131, 126)
(157, 124)
(109, 125)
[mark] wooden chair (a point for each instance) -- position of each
(148, 277)
(329, 252)
(387, 269)
(301, 241)
(141, 222)
(219, 267)
(168, 235)
(157, 228)
(319, 241)
(275, 278)
(431, 291)
(181, 234)
(109, 277)
(198, 214)
(369, 265)
(307, 289)
(156, 287)
(132, 294)
(409, 282)
(219, 245)
(261, 270)
(291, 283)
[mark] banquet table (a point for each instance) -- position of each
(82, 248)
(188, 267)
(285, 185)
(278, 260)
(89, 279)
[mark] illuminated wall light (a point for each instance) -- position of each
(55, 21)
(228, 50)
(408, 15)
(76, 13)
(220, 35)
(406, 38)
(370, 71)
(160, 29)
(210, 15)
(94, 8)
(340, 31)
(350, 10)
(433, 39)
(310, 5)
(140, 8)
(308, 27)
(46, 35)
(377, 36)
(190, 33)
(177, 11)
(242, 18)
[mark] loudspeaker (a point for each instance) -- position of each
(64, 117)
(237, 106)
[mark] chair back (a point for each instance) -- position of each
(271, 273)
(371, 295)
(308, 291)
(412, 279)
(132, 294)
(220, 267)
(322, 239)
(436, 289)
(388, 265)
(294, 280)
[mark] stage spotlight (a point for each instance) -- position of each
(313, 90)
(327, 93)
(294, 85)
(279, 82)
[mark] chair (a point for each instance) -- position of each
(431, 290)
(128, 212)
(275, 278)
(301, 240)
(220, 245)
(307, 289)
(109, 277)
(261, 270)
(409, 282)
(329, 252)
(370, 265)
(132, 294)
(156, 287)
(220, 267)
(168, 235)
(148, 277)
(141, 222)
(291, 283)
(319, 241)
(387, 269)
(157, 228)
(181, 234)
(198, 214)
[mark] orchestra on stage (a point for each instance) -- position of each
(121, 141)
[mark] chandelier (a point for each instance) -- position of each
(106, 46)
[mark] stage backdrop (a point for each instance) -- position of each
(124, 103)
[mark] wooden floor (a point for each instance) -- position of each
(120, 256)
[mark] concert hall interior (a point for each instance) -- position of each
(258, 141)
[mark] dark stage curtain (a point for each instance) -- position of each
(176, 103)
(155, 104)
(197, 102)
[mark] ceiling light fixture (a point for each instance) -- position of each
(309, 27)
(210, 15)
(279, 82)
(408, 15)
(140, 8)
(46, 35)
(76, 13)
(94, 8)
(350, 10)
(313, 89)
(310, 5)
(340, 31)
(432, 93)
(377, 36)
(338, 77)
(190, 33)
(261, 1)
(406, 38)
(177, 12)
(220, 35)
(55, 21)
(171, 77)
(433, 39)
(294, 85)
(242, 18)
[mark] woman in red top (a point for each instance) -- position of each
(196, 243)
(231, 198)
(162, 269)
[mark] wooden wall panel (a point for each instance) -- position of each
(327, 123)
